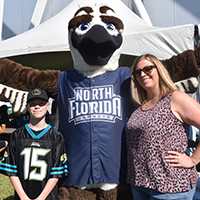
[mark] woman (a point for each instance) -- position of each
(157, 135)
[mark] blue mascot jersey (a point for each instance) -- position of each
(92, 117)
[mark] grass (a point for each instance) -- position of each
(6, 188)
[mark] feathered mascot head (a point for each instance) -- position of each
(95, 39)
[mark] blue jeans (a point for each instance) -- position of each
(140, 193)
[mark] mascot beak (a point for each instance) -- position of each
(96, 46)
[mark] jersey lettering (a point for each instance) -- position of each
(97, 103)
(31, 155)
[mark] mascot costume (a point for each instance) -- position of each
(94, 101)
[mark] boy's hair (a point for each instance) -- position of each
(37, 93)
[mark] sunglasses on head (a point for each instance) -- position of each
(147, 70)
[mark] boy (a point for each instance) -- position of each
(35, 158)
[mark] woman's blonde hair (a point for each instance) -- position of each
(165, 82)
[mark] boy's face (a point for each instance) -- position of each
(37, 107)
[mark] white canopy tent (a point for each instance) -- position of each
(46, 46)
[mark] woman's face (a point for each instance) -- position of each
(148, 78)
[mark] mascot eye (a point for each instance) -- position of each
(84, 26)
(110, 27)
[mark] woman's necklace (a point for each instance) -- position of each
(146, 105)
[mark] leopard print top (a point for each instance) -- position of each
(150, 134)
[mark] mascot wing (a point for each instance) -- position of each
(16, 80)
(184, 69)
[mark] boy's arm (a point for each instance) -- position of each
(3, 148)
(47, 189)
(18, 188)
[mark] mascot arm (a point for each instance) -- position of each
(184, 69)
(16, 80)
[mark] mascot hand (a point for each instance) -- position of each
(188, 85)
(17, 98)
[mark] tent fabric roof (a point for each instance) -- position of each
(139, 37)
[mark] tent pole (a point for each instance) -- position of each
(141, 11)
(1, 17)
(38, 13)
